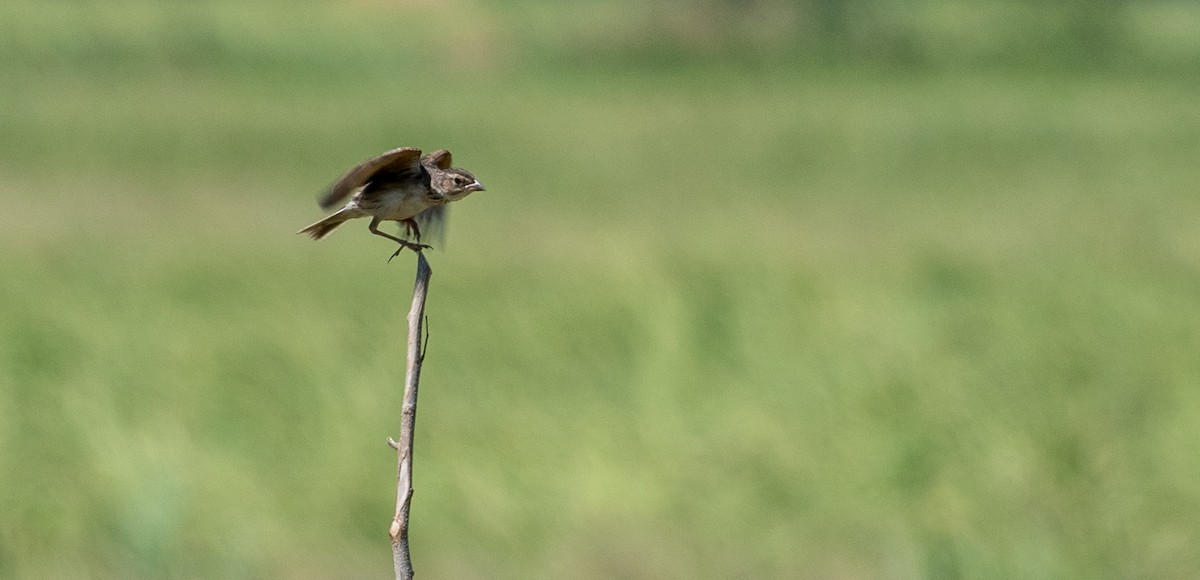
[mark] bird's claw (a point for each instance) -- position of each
(414, 247)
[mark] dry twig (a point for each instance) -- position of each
(408, 419)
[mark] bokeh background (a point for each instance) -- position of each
(759, 289)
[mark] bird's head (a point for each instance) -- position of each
(454, 184)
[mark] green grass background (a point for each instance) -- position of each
(757, 290)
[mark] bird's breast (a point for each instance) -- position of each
(394, 203)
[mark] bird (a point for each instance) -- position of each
(400, 185)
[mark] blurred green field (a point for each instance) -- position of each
(763, 290)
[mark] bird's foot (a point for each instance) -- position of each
(414, 247)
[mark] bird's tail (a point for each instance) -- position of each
(323, 227)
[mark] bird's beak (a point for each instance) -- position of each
(477, 186)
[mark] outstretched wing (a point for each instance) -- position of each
(397, 161)
(439, 159)
(433, 225)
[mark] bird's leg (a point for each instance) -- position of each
(374, 227)
(413, 230)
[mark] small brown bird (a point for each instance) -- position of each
(400, 185)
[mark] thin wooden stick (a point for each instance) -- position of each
(408, 420)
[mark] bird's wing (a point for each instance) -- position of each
(433, 225)
(397, 161)
(439, 159)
